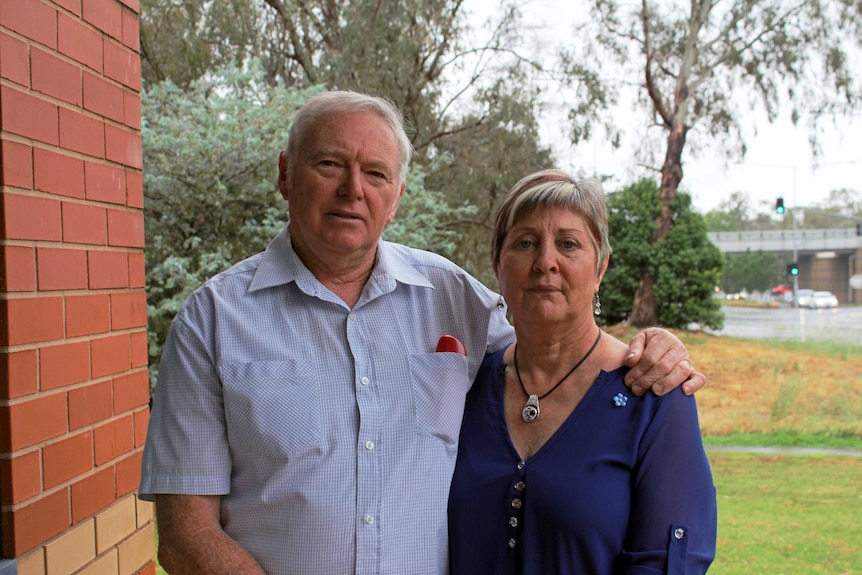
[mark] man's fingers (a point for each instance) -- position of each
(695, 381)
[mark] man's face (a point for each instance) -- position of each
(344, 188)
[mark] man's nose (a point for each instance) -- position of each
(351, 185)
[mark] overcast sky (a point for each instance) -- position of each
(779, 161)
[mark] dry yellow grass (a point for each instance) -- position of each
(760, 387)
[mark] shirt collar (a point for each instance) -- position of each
(280, 265)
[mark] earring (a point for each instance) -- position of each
(500, 303)
(597, 305)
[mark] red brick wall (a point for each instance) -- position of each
(73, 357)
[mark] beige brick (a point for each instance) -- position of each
(72, 550)
(32, 564)
(115, 524)
(108, 564)
(145, 512)
(137, 550)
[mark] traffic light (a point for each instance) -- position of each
(793, 269)
(779, 206)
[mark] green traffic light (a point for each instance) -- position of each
(779, 206)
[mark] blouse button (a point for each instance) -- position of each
(512, 543)
(521, 464)
(516, 503)
(513, 521)
(679, 533)
(520, 486)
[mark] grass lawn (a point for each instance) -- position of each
(782, 514)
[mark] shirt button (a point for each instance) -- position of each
(516, 503)
(369, 520)
(364, 380)
(369, 445)
(521, 464)
(513, 521)
(679, 533)
(512, 543)
(351, 316)
(520, 486)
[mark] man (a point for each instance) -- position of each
(303, 422)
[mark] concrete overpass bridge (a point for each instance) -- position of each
(827, 258)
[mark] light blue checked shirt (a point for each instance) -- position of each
(330, 433)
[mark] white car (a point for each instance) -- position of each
(802, 297)
(822, 299)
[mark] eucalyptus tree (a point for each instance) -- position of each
(701, 67)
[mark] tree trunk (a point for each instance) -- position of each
(644, 308)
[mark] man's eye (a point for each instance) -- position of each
(524, 243)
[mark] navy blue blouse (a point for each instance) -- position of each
(623, 486)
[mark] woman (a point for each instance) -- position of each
(560, 468)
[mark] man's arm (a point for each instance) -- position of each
(192, 542)
(659, 361)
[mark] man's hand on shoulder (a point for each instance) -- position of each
(659, 361)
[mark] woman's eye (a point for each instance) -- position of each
(524, 243)
(568, 244)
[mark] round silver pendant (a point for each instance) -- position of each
(530, 412)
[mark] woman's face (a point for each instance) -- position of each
(547, 269)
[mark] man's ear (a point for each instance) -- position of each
(395, 203)
(283, 175)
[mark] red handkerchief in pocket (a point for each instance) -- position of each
(449, 343)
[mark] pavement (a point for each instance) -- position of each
(787, 450)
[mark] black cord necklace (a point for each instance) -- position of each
(531, 411)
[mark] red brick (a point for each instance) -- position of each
(89, 404)
(58, 173)
(137, 272)
(126, 229)
(133, 4)
(128, 310)
(123, 146)
(113, 439)
(105, 183)
(106, 15)
(111, 355)
(31, 18)
(129, 473)
(20, 478)
(140, 358)
(55, 77)
(30, 218)
(142, 422)
(131, 31)
(17, 269)
(150, 569)
(131, 392)
(18, 375)
(27, 115)
(108, 270)
(16, 165)
(73, 6)
(87, 314)
(79, 42)
(31, 320)
(66, 459)
(28, 527)
(14, 64)
(132, 109)
(134, 189)
(84, 224)
(33, 421)
(61, 269)
(65, 364)
(103, 98)
(81, 133)
(92, 493)
(122, 65)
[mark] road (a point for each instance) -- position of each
(843, 324)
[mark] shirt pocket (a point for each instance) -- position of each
(440, 384)
(271, 407)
